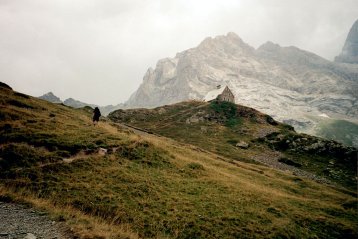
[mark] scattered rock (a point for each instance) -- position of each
(102, 151)
(242, 144)
(161, 111)
(18, 221)
(68, 160)
(271, 159)
(194, 119)
(30, 236)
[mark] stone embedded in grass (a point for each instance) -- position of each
(243, 145)
(30, 236)
(102, 151)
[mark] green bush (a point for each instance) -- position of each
(233, 122)
(229, 111)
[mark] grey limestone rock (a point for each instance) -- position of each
(287, 83)
(349, 52)
(30, 236)
(242, 144)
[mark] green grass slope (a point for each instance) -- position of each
(340, 130)
(220, 126)
(215, 127)
(152, 187)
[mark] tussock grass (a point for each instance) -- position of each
(154, 187)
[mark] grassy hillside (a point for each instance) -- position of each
(340, 130)
(145, 186)
(215, 127)
(220, 126)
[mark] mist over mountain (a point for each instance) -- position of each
(292, 85)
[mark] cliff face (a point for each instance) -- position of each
(287, 83)
(192, 73)
(349, 52)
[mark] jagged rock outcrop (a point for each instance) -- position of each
(290, 84)
(349, 52)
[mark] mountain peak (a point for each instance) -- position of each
(229, 43)
(349, 52)
(269, 46)
(233, 35)
(51, 97)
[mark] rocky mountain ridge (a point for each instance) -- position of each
(105, 110)
(292, 85)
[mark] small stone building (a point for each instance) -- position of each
(221, 93)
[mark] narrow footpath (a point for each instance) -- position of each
(21, 222)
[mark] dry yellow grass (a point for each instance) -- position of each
(154, 187)
(81, 224)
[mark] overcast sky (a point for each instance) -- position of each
(98, 51)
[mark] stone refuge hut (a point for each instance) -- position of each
(221, 93)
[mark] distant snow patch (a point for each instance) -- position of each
(324, 115)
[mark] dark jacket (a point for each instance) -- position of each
(96, 114)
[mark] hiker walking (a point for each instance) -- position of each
(96, 115)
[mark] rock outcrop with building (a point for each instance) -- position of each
(221, 93)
